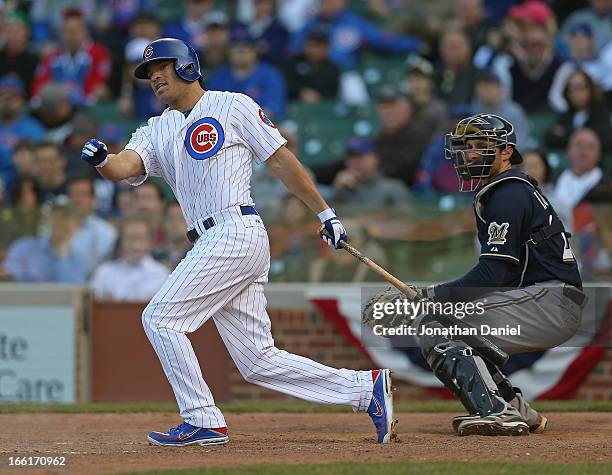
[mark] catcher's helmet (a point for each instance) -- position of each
(185, 58)
(495, 130)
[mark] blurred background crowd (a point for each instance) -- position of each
(363, 90)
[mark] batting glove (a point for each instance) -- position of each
(95, 153)
(332, 231)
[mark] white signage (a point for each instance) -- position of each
(37, 354)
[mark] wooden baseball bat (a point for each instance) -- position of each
(394, 281)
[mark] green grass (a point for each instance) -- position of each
(284, 407)
(420, 468)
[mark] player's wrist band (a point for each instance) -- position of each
(102, 163)
(326, 214)
(429, 292)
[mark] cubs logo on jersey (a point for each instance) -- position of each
(204, 138)
(497, 233)
(266, 120)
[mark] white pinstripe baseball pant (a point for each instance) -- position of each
(223, 277)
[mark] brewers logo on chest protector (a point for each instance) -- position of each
(204, 138)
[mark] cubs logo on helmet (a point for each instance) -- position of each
(204, 138)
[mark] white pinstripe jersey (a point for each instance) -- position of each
(206, 157)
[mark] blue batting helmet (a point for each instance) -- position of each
(185, 58)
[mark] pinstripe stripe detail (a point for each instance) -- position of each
(500, 255)
(516, 301)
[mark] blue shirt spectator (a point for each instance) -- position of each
(49, 257)
(245, 74)
(15, 125)
(191, 27)
(271, 36)
(349, 33)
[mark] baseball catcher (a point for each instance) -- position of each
(526, 282)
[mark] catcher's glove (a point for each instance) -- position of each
(374, 312)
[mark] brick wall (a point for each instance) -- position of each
(307, 333)
(598, 385)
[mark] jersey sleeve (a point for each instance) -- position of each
(505, 213)
(142, 143)
(255, 129)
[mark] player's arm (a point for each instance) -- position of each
(115, 167)
(290, 171)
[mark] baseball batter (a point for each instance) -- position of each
(203, 145)
(525, 249)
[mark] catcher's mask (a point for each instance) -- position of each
(490, 132)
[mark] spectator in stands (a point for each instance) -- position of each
(490, 99)
(271, 36)
(246, 74)
(217, 32)
(145, 25)
(54, 109)
(584, 56)
(84, 126)
(577, 189)
(361, 183)
(401, 141)
(95, 238)
(176, 245)
(190, 28)
(24, 157)
(427, 109)
(528, 74)
(470, 16)
(51, 170)
(137, 97)
(135, 275)
(15, 125)
(151, 204)
(15, 56)
(436, 174)
(310, 75)
(49, 257)
(599, 18)
(349, 33)
(536, 165)
(22, 217)
(586, 108)
(126, 204)
(584, 179)
(455, 75)
(80, 64)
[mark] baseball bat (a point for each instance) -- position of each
(394, 281)
(488, 349)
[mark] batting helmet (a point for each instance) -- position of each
(186, 62)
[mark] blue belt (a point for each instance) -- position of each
(208, 223)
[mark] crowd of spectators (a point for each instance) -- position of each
(522, 60)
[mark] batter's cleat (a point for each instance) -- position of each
(381, 406)
(508, 422)
(186, 434)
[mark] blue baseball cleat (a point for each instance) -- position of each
(381, 406)
(186, 434)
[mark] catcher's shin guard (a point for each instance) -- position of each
(465, 374)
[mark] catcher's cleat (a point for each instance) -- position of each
(537, 423)
(508, 422)
(381, 406)
(186, 434)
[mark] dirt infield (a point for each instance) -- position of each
(110, 443)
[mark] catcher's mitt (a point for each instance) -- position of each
(374, 312)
